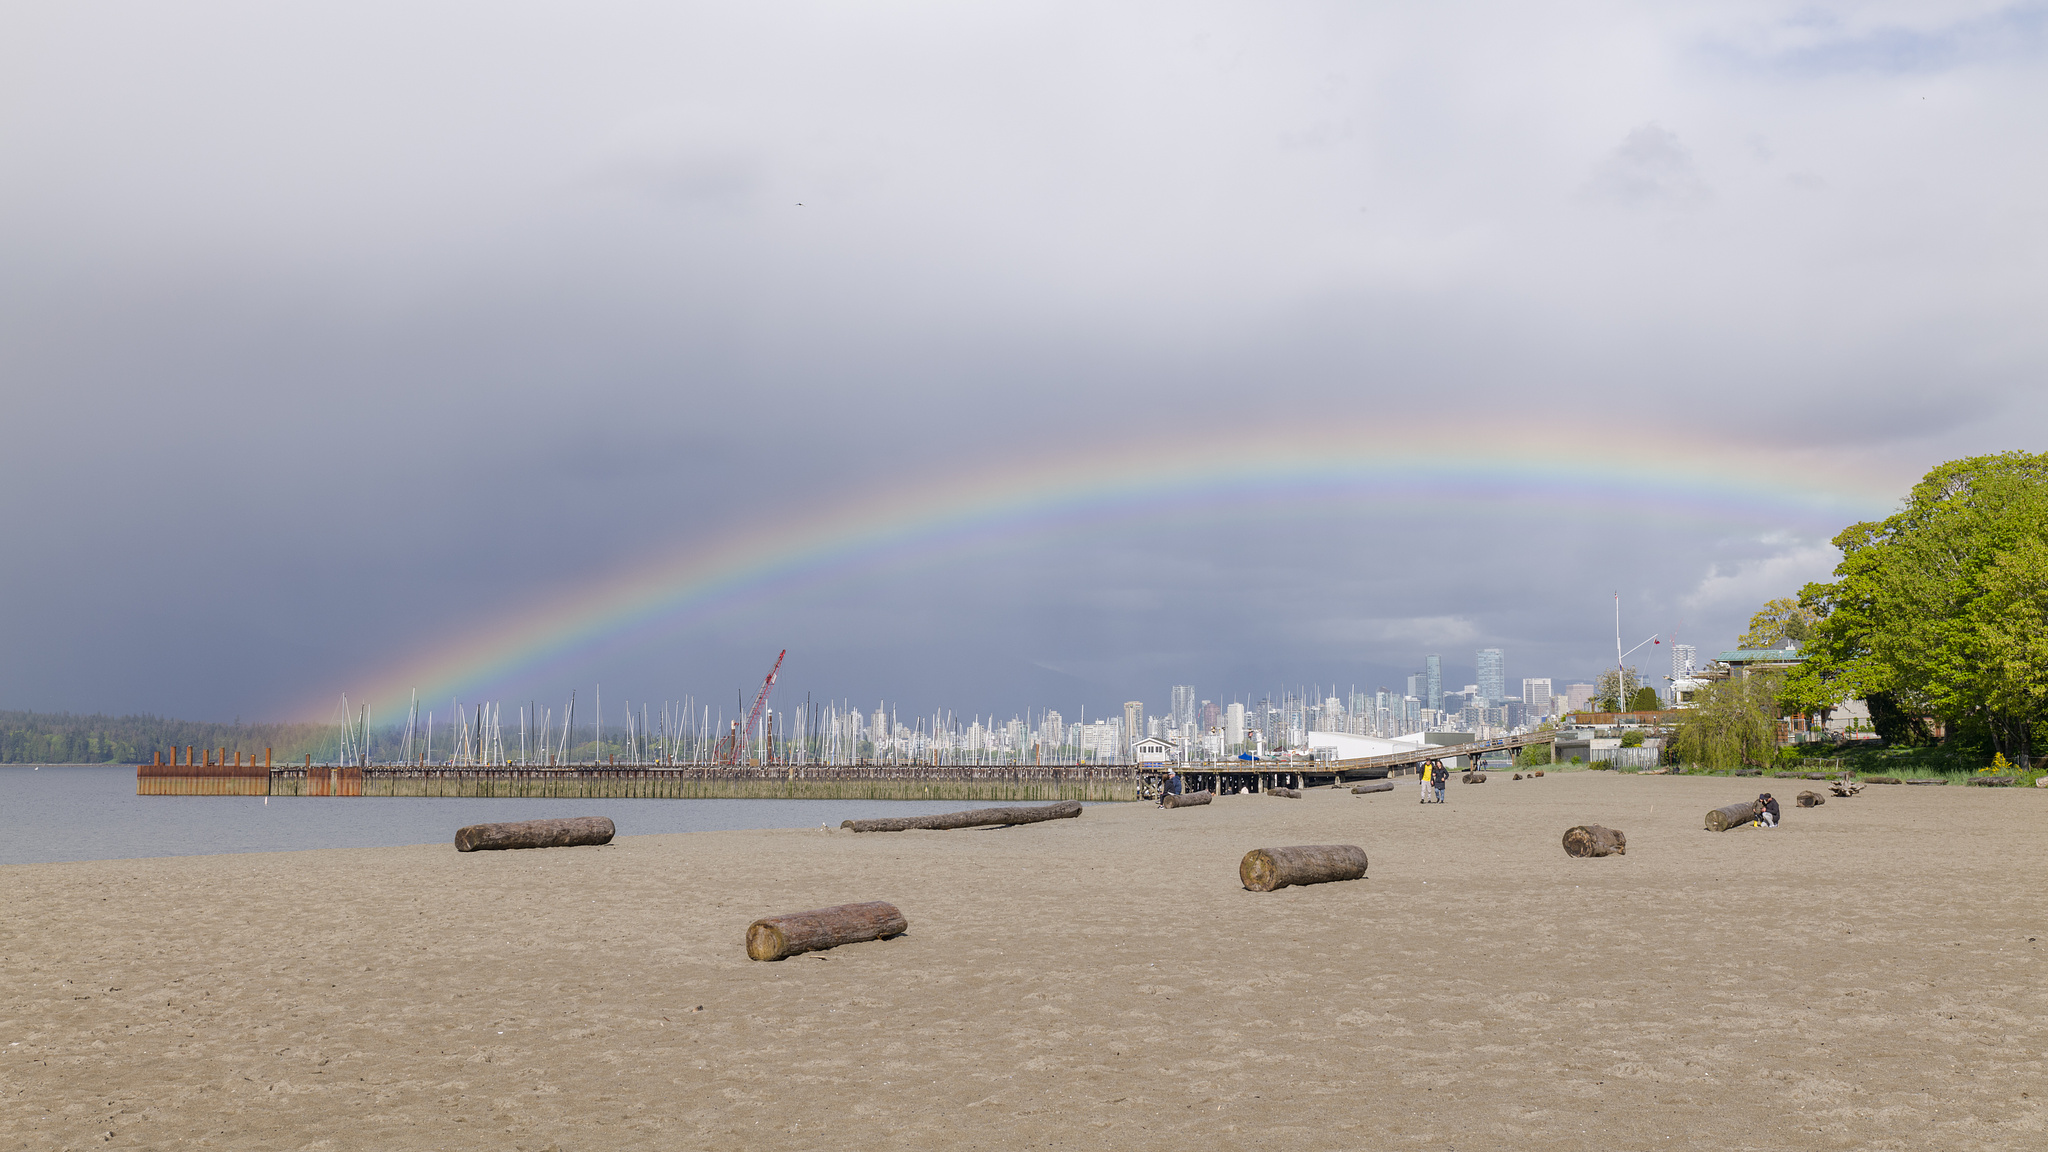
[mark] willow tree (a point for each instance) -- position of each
(1731, 724)
(1939, 609)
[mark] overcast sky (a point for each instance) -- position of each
(329, 334)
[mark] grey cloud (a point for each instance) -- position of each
(1650, 168)
(441, 326)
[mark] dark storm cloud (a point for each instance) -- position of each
(327, 335)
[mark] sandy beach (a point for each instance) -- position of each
(1870, 975)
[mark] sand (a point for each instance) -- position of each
(1868, 976)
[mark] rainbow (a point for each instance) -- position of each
(943, 515)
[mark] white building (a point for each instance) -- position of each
(1154, 750)
(1233, 725)
(1536, 696)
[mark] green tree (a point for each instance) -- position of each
(1781, 622)
(1615, 688)
(1644, 699)
(1731, 724)
(1937, 607)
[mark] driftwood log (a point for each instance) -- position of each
(1880, 780)
(535, 834)
(1290, 793)
(1992, 781)
(1733, 816)
(1749, 771)
(1264, 869)
(1475, 778)
(1844, 787)
(1186, 800)
(775, 937)
(1809, 799)
(1594, 840)
(1936, 783)
(1375, 786)
(974, 818)
(1537, 772)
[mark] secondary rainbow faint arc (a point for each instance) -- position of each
(1730, 484)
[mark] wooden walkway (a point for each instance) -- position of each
(655, 782)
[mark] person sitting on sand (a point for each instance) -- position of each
(1768, 810)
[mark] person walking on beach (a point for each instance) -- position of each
(1422, 777)
(1440, 776)
(1768, 810)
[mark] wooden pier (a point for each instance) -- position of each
(649, 781)
(208, 772)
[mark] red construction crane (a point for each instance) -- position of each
(734, 744)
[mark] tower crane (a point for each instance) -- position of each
(732, 747)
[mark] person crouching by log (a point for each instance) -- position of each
(1170, 788)
(1767, 810)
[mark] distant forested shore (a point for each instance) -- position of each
(66, 738)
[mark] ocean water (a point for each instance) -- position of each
(92, 813)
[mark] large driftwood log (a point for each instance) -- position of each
(1844, 787)
(1290, 793)
(1936, 783)
(1264, 869)
(1375, 786)
(1732, 816)
(1992, 781)
(1880, 779)
(1186, 799)
(1475, 778)
(775, 937)
(1594, 840)
(1809, 799)
(535, 834)
(975, 818)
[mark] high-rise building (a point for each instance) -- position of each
(1580, 696)
(1233, 725)
(1433, 667)
(1052, 733)
(1134, 726)
(1492, 676)
(1211, 715)
(1536, 697)
(1182, 712)
(1418, 685)
(1685, 660)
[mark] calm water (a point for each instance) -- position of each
(93, 813)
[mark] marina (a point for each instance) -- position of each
(209, 772)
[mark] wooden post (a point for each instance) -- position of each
(1267, 869)
(1732, 816)
(579, 830)
(266, 759)
(776, 937)
(1594, 840)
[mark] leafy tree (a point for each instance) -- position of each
(1781, 622)
(1644, 699)
(1615, 688)
(1731, 724)
(1939, 607)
